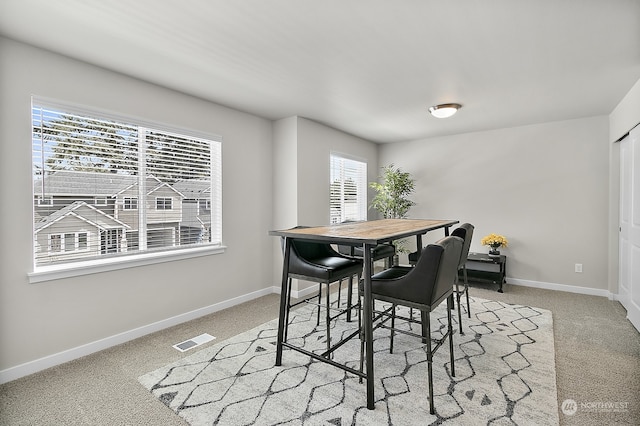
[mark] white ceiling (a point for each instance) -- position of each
(368, 67)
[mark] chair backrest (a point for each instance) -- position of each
(309, 250)
(464, 231)
(448, 268)
(433, 276)
(437, 268)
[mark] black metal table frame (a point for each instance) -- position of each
(367, 244)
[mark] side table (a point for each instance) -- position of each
(482, 267)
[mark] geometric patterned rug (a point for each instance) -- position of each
(504, 364)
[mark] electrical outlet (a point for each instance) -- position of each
(578, 267)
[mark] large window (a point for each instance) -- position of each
(108, 186)
(348, 189)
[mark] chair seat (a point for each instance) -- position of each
(381, 251)
(327, 269)
(392, 273)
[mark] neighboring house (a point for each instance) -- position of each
(196, 210)
(84, 214)
(77, 231)
(163, 213)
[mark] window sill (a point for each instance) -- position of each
(68, 270)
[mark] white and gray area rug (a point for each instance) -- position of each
(504, 365)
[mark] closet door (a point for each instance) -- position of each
(629, 271)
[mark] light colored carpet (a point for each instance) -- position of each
(505, 374)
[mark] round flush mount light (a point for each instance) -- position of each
(444, 110)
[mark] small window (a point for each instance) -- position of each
(69, 242)
(83, 241)
(204, 205)
(164, 203)
(55, 243)
(348, 189)
(45, 201)
(130, 203)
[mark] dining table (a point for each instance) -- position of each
(365, 234)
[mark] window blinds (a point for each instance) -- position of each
(348, 189)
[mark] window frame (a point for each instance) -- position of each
(164, 202)
(122, 261)
(129, 206)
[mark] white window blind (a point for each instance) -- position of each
(348, 189)
(150, 182)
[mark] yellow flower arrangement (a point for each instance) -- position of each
(494, 240)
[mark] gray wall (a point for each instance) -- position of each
(544, 187)
(38, 320)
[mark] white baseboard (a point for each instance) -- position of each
(31, 367)
(562, 287)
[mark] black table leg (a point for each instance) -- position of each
(368, 326)
(284, 300)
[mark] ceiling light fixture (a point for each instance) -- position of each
(444, 110)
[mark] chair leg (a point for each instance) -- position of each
(393, 327)
(319, 302)
(426, 320)
(349, 298)
(426, 332)
(286, 315)
(466, 289)
(328, 316)
(449, 308)
(458, 296)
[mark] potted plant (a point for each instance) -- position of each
(392, 196)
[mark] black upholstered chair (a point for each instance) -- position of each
(464, 231)
(379, 252)
(318, 262)
(422, 287)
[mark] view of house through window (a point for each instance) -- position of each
(105, 186)
(348, 189)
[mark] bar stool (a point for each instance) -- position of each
(422, 287)
(319, 262)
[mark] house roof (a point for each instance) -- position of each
(64, 182)
(193, 188)
(84, 212)
(73, 183)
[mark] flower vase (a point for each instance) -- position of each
(493, 251)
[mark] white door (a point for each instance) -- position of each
(629, 280)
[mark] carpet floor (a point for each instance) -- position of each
(504, 365)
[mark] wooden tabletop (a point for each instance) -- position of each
(366, 232)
